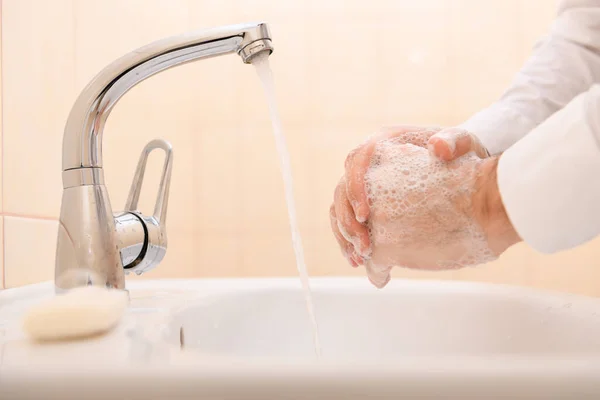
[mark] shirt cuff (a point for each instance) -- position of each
(498, 127)
(549, 181)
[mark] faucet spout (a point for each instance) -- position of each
(96, 246)
(82, 143)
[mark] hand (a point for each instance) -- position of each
(429, 214)
(350, 209)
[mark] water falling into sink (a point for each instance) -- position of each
(263, 69)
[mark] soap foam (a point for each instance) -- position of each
(421, 210)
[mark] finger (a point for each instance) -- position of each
(352, 230)
(450, 144)
(378, 276)
(346, 247)
(358, 260)
(357, 164)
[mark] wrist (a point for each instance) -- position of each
(489, 208)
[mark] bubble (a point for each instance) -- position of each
(419, 203)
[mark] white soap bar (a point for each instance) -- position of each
(81, 312)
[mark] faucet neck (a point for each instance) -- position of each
(82, 142)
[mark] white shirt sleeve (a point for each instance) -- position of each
(563, 65)
(549, 181)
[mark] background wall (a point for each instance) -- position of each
(342, 69)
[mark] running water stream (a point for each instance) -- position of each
(263, 69)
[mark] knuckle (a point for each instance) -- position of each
(349, 162)
(356, 184)
(339, 192)
(332, 211)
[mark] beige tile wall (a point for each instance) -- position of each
(342, 68)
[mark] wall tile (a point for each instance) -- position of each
(575, 270)
(261, 188)
(211, 13)
(218, 255)
(291, 65)
(29, 250)
(38, 92)
(199, 255)
(323, 257)
(485, 52)
(536, 18)
(217, 176)
(343, 75)
(269, 254)
(133, 23)
(412, 65)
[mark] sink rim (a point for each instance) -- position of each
(186, 368)
(208, 286)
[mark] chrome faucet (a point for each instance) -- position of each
(95, 246)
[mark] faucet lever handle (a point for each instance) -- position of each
(162, 199)
(143, 238)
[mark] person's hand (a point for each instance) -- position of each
(350, 209)
(431, 214)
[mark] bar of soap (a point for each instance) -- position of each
(81, 312)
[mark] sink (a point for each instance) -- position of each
(407, 318)
(251, 338)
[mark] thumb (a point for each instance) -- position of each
(452, 143)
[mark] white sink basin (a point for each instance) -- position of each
(251, 338)
(405, 319)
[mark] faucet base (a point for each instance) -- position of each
(87, 251)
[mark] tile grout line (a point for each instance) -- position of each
(28, 216)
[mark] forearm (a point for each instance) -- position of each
(563, 65)
(549, 181)
(489, 209)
